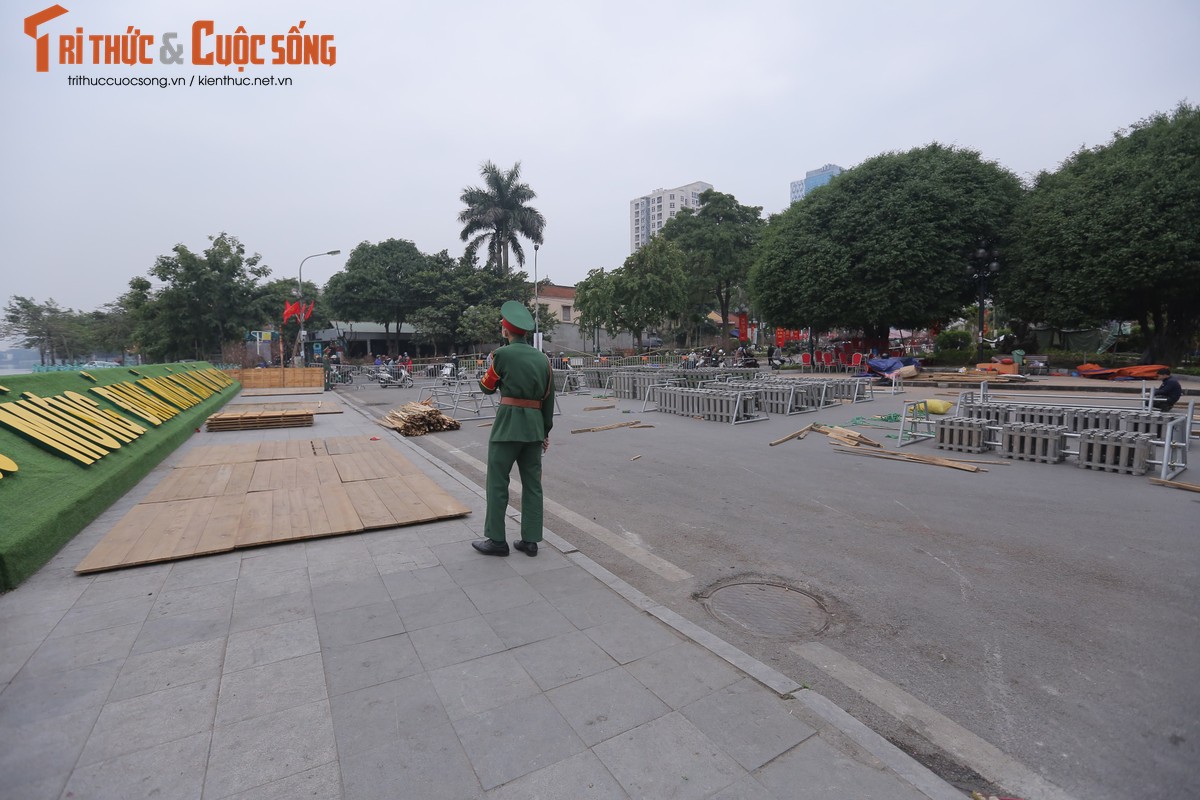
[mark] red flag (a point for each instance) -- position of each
(309, 309)
(290, 309)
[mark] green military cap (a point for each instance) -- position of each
(516, 317)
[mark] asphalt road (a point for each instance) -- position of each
(1050, 610)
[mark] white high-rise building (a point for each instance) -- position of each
(648, 213)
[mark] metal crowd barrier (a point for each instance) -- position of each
(1125, 439)
(717, 405)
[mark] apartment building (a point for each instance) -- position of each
(648, 213)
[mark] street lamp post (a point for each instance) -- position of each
(985, 262)
(300, 292)
(537, 336)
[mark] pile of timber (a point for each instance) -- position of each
(418, 419)
(255, 420)
(845, 436)
(971, 376)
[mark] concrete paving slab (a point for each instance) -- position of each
(606, 704)
(562, 659)
(359, 624)
(430, 765)
(271, 687)
(357, 666)
(668, 757)
(258, 751)
(747, 722)
(482, 684)
(515, 739)
(145, 721)
(815, 770)
(580, 777)
(386, 712)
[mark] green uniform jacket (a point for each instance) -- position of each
(518, 370)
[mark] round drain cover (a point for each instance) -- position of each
(767, 609)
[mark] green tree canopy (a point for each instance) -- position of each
(884, 244)
(57, 334)
(498, 214)
(719, 244)
(1114, 233)
(204, 301)
(376, 285)
(647, 289)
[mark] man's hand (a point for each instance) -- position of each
(545, 444)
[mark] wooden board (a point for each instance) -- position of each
(225, 497)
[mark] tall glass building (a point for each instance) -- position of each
(812, 179)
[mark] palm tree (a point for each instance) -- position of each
(497, 213)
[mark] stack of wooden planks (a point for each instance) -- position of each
(845, 436)
(254, 420)
(418, 419)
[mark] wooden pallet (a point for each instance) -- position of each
(256, 420)
(226, 497)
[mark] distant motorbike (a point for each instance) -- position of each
(747, 362)
(711, 358)
(395, 376)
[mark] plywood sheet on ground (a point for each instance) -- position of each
(225, 497)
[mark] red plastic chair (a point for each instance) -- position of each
(856, 362)
(827, 361)
(806, 361)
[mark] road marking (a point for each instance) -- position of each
(966, 747)
(656, 564)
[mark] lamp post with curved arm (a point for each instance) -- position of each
(300, 293)
(985, 262)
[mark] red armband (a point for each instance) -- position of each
(490, 379)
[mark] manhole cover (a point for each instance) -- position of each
(767, 609)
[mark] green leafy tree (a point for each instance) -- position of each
(59, 335)
(479, 325)
(204, 301)
(719, 243)
(885, 244)
(648, 288)
(1114, 233)
(376, 286)
(593, 301)
(498, 215)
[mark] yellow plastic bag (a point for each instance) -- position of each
(938, 406)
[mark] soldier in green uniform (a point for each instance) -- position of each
(520, 434)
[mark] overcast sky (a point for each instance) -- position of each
(599, 101)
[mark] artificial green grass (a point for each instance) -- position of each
(51, 498)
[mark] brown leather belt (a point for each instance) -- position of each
(521, 402)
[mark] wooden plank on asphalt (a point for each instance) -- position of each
(371, 509)
(111, 551)
(435, 497)
(339, 509)
(220, 454)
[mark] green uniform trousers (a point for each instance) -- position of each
(528, 458)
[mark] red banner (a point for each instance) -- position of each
(743, 326)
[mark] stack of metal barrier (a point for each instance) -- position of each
(995, 413)
(1114, 451)
(1039, 415)
(961, 434)
(717, 405)
(1029, 441)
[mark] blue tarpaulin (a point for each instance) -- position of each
(886, 366)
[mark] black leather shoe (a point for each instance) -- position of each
(528, 548)
(491, 548)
